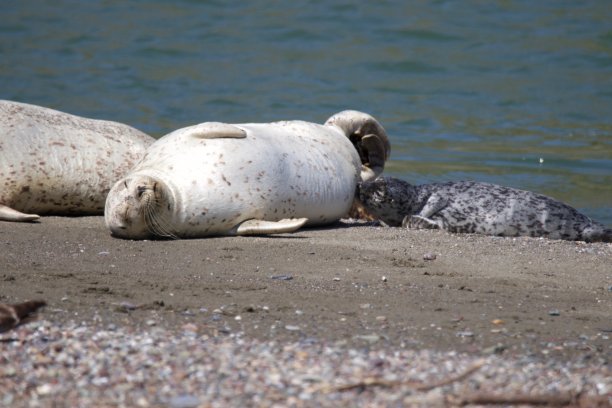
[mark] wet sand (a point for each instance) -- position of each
(351, 284)
(351, 315)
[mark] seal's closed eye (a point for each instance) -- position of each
(140, 190)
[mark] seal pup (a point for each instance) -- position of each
(55, 163)
(255, 178)
(15, 315)
(473, 207)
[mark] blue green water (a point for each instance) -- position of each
(470, 89)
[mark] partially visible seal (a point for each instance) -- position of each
(255, 178)
(472, 207)
(56, 163)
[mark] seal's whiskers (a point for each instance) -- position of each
(154, 221)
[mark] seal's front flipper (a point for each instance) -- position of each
(215, 130)
(9, 214)
(433, 205)
(261, 227)
(418, 222)
(423, 220)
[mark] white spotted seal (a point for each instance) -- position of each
(472, 207)
(255, 178)
(52, 162)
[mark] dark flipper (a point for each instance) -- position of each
(15, 315)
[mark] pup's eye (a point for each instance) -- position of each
(140, 190)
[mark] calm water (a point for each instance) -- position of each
(466, 89)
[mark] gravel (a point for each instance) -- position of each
(80, 364)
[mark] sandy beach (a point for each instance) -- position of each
(352, 286)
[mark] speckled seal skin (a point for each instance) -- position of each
(472, 207)
(256, 178)
(55, 163)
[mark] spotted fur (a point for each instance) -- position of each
(481, 208)
(55, 163)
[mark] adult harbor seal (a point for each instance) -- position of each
(255, 178)
(472, 207)
(52, 162)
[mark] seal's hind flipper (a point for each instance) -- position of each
(261, 227)
(374, 146)
(9, 214)
(215, 130)
(596, 233)
(369, 138)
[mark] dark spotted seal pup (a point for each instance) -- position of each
(472, 207)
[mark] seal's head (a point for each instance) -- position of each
(138, 207)
(369, 138)
(387, 199)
